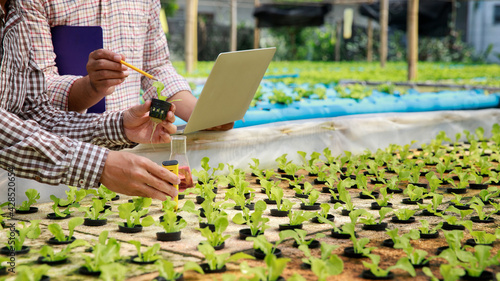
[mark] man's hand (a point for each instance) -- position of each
(105, 71)
(138, 127)
(130, 174)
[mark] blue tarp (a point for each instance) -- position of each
(333, 106)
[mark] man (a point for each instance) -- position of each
(132, 32)
(51, 146)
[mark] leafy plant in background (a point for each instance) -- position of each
(481, 237)
(297, 217)
(33, 195)
(404, 214)
(106, 251)
(31, 273)
(218, 260)
(299, 235)
(326, 251)
(73, 195)
(255, 221)
(403, 264)
(48, 254)
(32, 232)
(132, 217)
(167, 270)
(96, 211)
(217, 237)
(369, 218)
(414, 256)
(58, 233)
(450, 272)
(149, 255)
(432, 207)
(62, 213)
(359, 245)
(260, 243)
(426, 227)
(280, 97)
(271, 272)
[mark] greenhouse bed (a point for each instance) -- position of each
(180, 252)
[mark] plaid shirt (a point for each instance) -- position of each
(38, 141)
(130, 27)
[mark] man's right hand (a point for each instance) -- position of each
(105, 71)
(130, 174)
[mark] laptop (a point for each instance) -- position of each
(229, 89)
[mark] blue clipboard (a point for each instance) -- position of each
(72, 46)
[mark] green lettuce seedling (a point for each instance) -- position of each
(450, 272)
(94, 212)
(103, 253)
(32, 232)
(454, 239)
(415, 256)
(312, 198)
(255, 221)
(239, 198)
(167, 270)
(310, 165)
(217, 237)
(113, 272)
(453, 220)
(481, 236)
(436, 201)
(375, 269)
(218, 260)
(159, 88)
(324, 210)
(426, 229)
(299, 235)
(49, 255)
(62, 213)
(260, 243)
(271, 272)
(478, 206)
(474, 263)
(33, 195)
(149, 255)
(326, 251)
(404, 213)
(297, 217)
(384, 196)
(31, 273)
(369, 218)
(415, 193)
(58, 233)
(357, 244)
(132, 217)
(74, 195)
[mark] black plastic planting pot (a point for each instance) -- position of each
(53, 216)
(375, 227)
(41, 260)
(313, 245)
(168, 236)
(367, 274)
(246, 232)
(134, 229)
(54, 241)
(159, 109)
(31, 210)
(258, 254)
(92, 222)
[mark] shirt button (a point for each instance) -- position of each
(37, 178)
(81, 182)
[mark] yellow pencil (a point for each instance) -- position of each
(138, 70)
